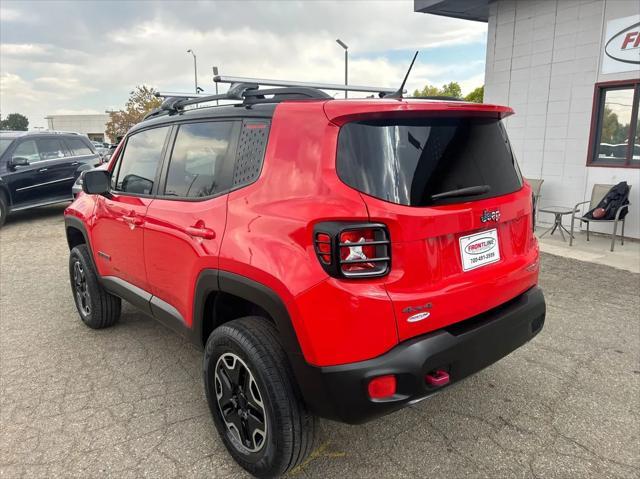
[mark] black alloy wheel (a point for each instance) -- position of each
(240, 403)
(83, 297)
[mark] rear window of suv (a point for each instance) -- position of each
(79, 147)
(407, 162)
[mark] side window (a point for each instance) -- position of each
(27, 149)
(251, 148)
(199, 153)
(616, 131)
(78, 147)
(138, 163)
(51, 148)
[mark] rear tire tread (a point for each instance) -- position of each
(258, 337)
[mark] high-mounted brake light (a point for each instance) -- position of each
(353, 250)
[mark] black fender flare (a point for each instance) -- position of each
(308, 379)
(210, 280)
(76, 223)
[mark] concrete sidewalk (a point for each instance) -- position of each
(596, 250)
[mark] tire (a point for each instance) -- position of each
(4, 209)
(97, 308)
(285, 436)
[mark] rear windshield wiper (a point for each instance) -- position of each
(470, 191)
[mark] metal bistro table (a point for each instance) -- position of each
(558, 212)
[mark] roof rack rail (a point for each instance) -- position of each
(175, 102)
(279, 94)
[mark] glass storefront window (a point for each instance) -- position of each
(616, 141)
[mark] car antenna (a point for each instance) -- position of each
(398, 93)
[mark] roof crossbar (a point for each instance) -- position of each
(287, 83)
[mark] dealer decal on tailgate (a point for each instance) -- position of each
(479, 249)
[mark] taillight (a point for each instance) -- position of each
(353, 250)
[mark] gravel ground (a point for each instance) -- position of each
(128, 401)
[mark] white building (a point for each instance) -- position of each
(566, 67)
(91, 125)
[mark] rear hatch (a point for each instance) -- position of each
(459, 216)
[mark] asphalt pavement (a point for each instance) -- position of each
(129, 402)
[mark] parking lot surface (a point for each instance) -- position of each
(128, 401)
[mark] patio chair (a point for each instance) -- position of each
(597, 194)
(536, 186)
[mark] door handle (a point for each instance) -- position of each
(201, 232)
(42, 170)
(132, 220)
(75, 163)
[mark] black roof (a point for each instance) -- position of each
(262, 110)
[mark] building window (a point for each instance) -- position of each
(615, 129)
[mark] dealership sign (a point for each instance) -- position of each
(622, 45)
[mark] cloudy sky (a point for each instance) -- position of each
(84, 56)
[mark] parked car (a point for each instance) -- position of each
(39, 168)
(333, 258)
(103, 149)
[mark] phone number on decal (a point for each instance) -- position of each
(482, 257)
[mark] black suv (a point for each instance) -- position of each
(39, 168)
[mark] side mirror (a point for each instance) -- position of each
(96, 182)
(19, 161)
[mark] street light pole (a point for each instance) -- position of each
(195, 68)
(346, 63)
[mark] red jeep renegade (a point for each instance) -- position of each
(333, 258)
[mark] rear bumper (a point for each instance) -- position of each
(340, 392)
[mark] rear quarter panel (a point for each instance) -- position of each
(269, 233)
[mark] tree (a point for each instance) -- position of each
(450, 89)
(428, 90)
(476, 96)
(141, 101)
(453, 90)
(15, 122)
(613, 131)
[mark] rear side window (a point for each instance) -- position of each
(251, 149)
(78, 147)
(139, 162)
(199, 154)
(51, 148)
(409, 161)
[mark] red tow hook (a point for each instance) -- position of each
(437, 378)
